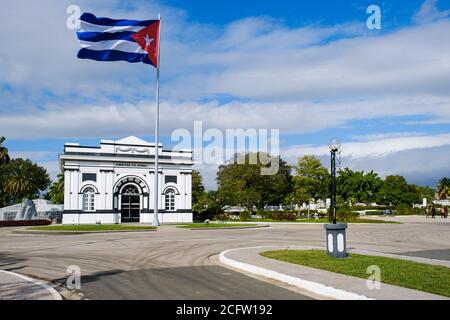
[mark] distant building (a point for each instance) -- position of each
(445, 202)
(37, 209)
(113, 183)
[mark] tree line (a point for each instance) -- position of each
(242, 185)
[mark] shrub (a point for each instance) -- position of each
(345, 214)
(263, 213)
(404, 209)
(362, 208)
(25, 223)
(220, 217)
(283, 216)
(245, 216)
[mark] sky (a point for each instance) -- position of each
(311, 69)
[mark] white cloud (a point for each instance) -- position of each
(429, 12)
(375, 148)
(69, 121)
(299, 64)
(300, 80)
(256, 58)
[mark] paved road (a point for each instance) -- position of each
(177, 263)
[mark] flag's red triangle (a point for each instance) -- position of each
(148, 39)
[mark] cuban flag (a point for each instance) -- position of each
(104, 39)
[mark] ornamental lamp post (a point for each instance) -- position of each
(334, 145)
(335, 232)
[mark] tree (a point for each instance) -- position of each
(396, 190)
(426, 192)
(4, 159)
(56, 193)
(208, 205)
(4, 156)
(443, 188)
(241, 183)
(23, 178)
(357, 186)
(312, 180)
(198, 188)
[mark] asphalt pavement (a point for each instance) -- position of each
(175, 263)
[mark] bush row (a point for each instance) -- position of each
(24, 223)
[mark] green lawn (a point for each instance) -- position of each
(216, 225)
(92, 227)
(403, 273)
(359, 220)
(324, 220)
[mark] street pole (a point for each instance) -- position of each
(156, 175)
(335, 233)
(332, 217)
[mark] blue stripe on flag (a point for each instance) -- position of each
(105, 36)
(90, 18)
(113, 55)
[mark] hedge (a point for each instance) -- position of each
(25, 223)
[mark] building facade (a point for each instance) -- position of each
(113, 183)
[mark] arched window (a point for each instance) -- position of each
(130, 190)
(88, 200)
(170, 200)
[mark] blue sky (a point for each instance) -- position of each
(311, 69)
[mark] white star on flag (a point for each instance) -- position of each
(148, 41)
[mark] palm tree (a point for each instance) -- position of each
(443, 188)
(444, 192)
(18, 185)
(4, 157)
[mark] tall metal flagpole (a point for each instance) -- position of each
(156, 175)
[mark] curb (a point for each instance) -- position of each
(313, 287)
(57, 232)
(228, 228)
(52, 291)
(290, 223)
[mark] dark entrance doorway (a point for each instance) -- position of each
(130, 203)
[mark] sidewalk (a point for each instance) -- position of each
(320, 283)
(15, 286)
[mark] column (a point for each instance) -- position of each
(189, 191)
(183, 192)
(67, 190)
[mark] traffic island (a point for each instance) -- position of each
(325, 284)
(221, 226)
(408, 274)
(82, 229)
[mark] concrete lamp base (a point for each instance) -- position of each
(336, 240)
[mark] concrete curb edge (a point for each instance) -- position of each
(55, 294)
(314, 287)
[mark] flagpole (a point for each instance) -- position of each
(156, 176)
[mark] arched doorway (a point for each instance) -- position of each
(131, 198)
(130, 203)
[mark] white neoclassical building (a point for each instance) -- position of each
(113, 183)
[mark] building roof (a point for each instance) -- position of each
(129, 149)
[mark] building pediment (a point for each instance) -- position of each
(133, 141)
